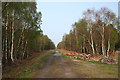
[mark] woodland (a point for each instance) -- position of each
(21, 31)
(97, 33)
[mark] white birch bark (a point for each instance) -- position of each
(91, 36)
(6, 42)
(103, 39)
(12, 46)
(108, 48)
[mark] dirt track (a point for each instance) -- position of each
(57, 67)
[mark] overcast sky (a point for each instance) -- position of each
(58, 17)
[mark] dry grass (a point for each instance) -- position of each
(93, 69)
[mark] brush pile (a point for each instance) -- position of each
(91, 58)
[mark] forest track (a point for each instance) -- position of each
(57, 67)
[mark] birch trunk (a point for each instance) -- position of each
(103, 39)
(12, 46)
(92, 45)
(6, 27)
(103, 47)
(109, 32)
(108, 48)
(91, 36)
(20, 39)
(9, 48)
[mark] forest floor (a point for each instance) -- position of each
(28, 67)
(56, 65)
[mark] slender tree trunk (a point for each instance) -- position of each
(97, 48)
(24, 49)
(9, 40)
(9, 48)
(76, 36)
(22, 44)
(83, 44)
(6, 38)
(91, 36)
(103, 39)
(12, 46)
(84, 47)
(109, 32)
(92, 45)
(18, 46)
(103, 47)
(20, 39)
(108, 47)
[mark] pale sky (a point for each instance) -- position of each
(58, 17)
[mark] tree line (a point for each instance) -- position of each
(98, 32)
(21, 31)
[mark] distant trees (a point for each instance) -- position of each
(96, 33)
(21, 32)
